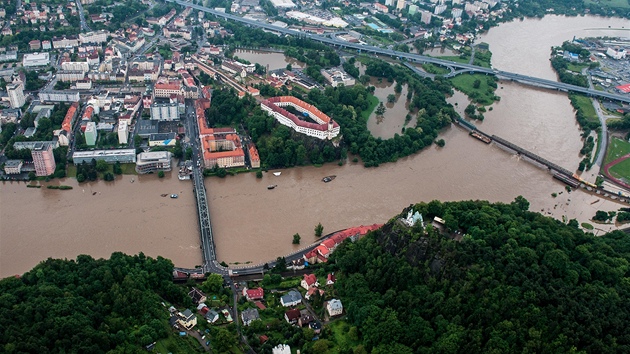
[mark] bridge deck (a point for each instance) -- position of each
(207, 241)
(532, 156)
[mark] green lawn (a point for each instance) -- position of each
(373, 103)
(340, 336)
(576, 67)
(617, 148)
(621, 170)
(435, 69)
(483, 95)
(71, 170)
(609, 3)
(585, 105)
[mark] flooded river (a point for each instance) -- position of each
(122, 216)
(251, 223)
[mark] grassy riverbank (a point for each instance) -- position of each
(585, 110)
(478, 87)
(373, 103)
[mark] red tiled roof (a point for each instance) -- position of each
(271, 103)
(255, 293)
(88, 113)
(67, 120)
(310, 279)
(253, 153)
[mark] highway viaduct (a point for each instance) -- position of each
(463, 67)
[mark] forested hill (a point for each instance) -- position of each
(87, 305)
(518, 282)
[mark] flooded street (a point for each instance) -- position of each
(253, 224)
(122, 216)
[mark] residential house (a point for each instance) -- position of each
(330, 279)
(334, 307)
(292, 316)
(187, 319)
(249, 315)
(197, 296)
(254, 294)
(292, 298)
(308, 281)
(305, 318)
(212, 316)
(312, 292)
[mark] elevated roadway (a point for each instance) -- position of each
(530, 80)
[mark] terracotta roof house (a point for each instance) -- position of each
(254, 294)
(308, 281)
(330, 279)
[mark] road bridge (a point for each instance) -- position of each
(530, 80)
(207, 241)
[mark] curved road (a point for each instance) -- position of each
(412, 57)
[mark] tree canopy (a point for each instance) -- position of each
(517, 282)
(87, 305)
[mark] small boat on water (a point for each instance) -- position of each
(277, 174)
(272, 186)
(174, 196)
(328, 178)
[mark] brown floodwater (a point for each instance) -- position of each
(439, 52)
(392, 121)
(254, 224)
(270, 60)
(122, 216)
(525, 46)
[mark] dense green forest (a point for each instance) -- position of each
(518, 282)
(88, 305)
